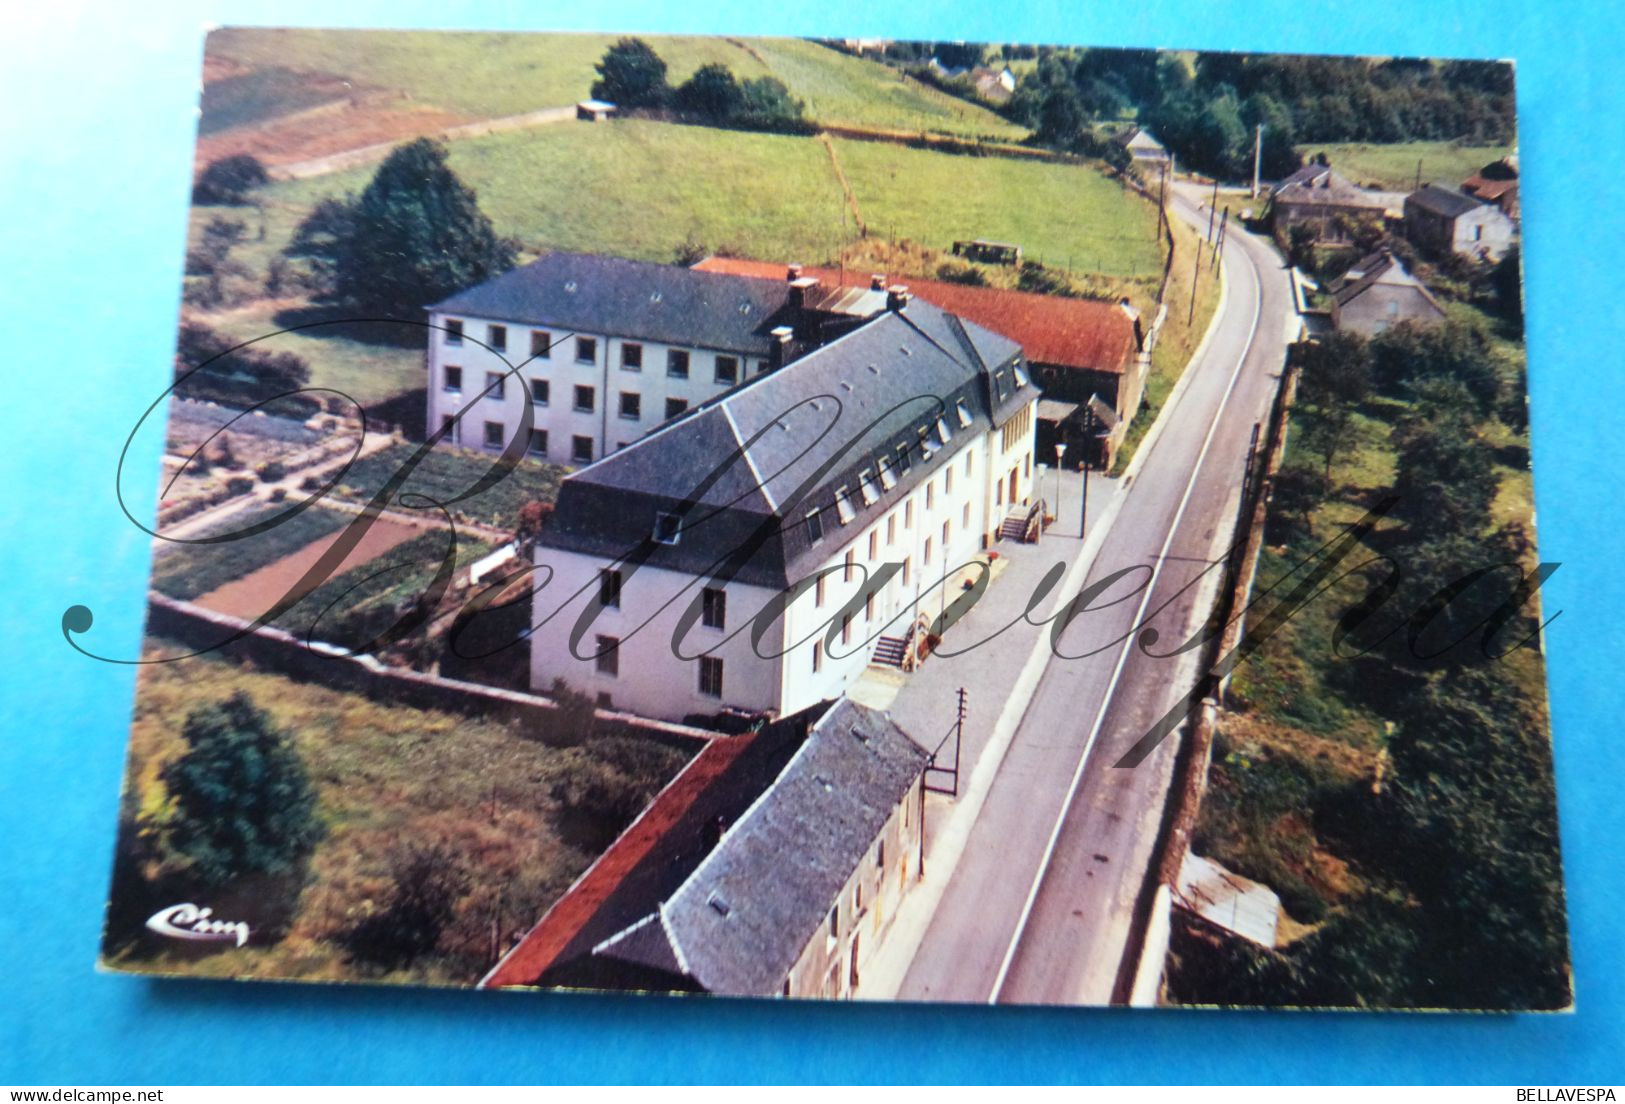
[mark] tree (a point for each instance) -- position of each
(229, 180)
(711, 93)
(428, 883)
(766, 104)
(1407, 355)
(631, 74)
(959, 55)
(1507, 284)
(243, 802)
(242, 376)
(1445, 477)
(1335, 376)
(1061, 116)
(319, 240)
(417, 235)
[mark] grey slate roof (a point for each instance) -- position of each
(632, 299)
(1381, 267)
(1444, 201)
(742, 919)
(744, 469)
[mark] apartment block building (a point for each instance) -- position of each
(602, 349)
(753, 554)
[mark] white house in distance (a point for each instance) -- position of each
(754, 554)
(607, 349)
(1444, 220)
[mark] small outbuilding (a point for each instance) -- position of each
(1379, 292)
(594, 111)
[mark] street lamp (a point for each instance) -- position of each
(1060, 454)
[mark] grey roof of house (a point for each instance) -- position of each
(1374, 268)
(1444, 201)
(742, 919)
(586, 293)
(1320, 185)
(743, 470)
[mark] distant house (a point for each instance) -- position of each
(1324, 200)
(1085, 354)
(594, 111)
(994, 85)
(1442, 220)
(726, 885)
(1378, 292)
(1149, 154)
(1496, 183)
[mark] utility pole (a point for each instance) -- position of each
(1224, 226)
(1162, 198)
(1258, 157)
(1196, 277)
(1418, 186)
(1212, 207)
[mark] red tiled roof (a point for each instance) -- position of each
(542, 945)
(1052, 329)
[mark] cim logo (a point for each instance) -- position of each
(192, 923)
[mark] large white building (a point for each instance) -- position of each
(602, 350)
(752, 554)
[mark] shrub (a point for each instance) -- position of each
(428, 883)
(229, 180)
(239, 485)
(272, 471)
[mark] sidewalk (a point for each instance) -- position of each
(999, 676)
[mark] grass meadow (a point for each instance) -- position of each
(1393, 166)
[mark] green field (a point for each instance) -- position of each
(1393, 166)
(1065, 216)
(483, 74)
(186, 571)
(446, 473)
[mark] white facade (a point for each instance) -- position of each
(589, 393)
(827, 632)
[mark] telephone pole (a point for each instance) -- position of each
(1196, 278)
(1212, 207)
(1258, 157)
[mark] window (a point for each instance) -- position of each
(1022, 379)
(676, 407)
(714, 608)
(496, 385)
(494, 433)
(448, 424)
(815, 526)
(1393, 308)
(677, 363)
(888, 478)
(454, 331)
(963, 412)
(848, 565)
(964, 517)
(944, 434)
(668, 528)
(969, 457)
(869, 607)
(711, 676)
(905, 459)
(866, 488)
(538, 442)
(874, 544)
(947, 481)
(908, 514)
(880, 854)
(631, 356)
(631, 405)
(926, 559)
(609, 656)
(454, 379)
(846, 628)
(818, 656)
(926, 451)
(609, 588)
(586, 350)
(835, 922)
(843, 506)
(539, 392)
(908, 568)
(727, 369)
(931, 495)
(945, 532)
(541, 344)
(891, 529)
(584, 398)
(581, 449)
(497, 338)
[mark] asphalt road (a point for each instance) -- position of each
(1039, 907)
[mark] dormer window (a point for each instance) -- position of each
(668, 528)
(843, 506)
(888, 478)
(926, 451)
(815, 527)
(866, 488)
(944, 434)
(1021, 375)
(964, 414)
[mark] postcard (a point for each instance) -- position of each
(846, 519)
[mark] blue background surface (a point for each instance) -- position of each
(96, 129)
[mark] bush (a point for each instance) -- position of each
(239, 485)
(229, 180)
(428, 883)
(272, 471)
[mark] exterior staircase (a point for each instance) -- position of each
(890, 651)
(1023, 524)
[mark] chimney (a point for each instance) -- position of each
(799, 287)
(897, 297)
(793, 273)
(779, 355)
(877, 282)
